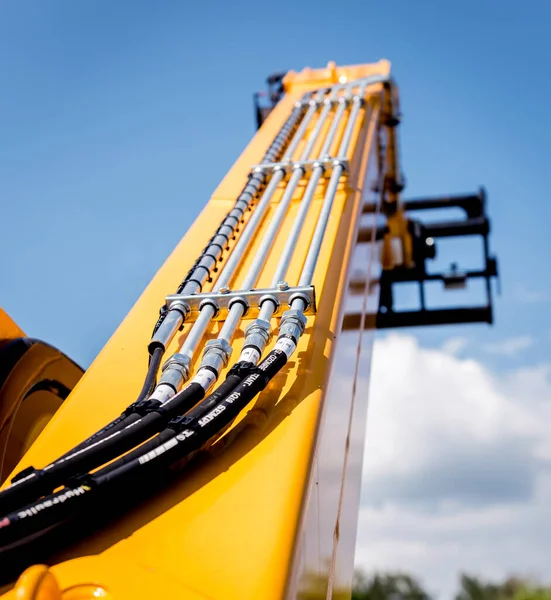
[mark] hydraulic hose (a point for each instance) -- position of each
(235, 376)
(200, 272)
(144, 417)
(119, 422)
(191, 434)
(43, 481)
(46, 480)
(183, 434)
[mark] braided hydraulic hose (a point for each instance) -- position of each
(145, 417)
(191, 433)
(180, 434)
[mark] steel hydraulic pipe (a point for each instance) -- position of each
(198, 329)
(217, 355)
(236, 255)
(312, 109)
(317, 172)
(338, 169)
(237, 310)
(336, 121)
(268, 307)
(293, 321)
(174, 319)
(174, 377)
(245, 239)
(319, 123)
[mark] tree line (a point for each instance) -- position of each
(402, 586)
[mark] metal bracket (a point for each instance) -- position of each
(251, 300)
(328, 163)
(423, 244)
(347, 100)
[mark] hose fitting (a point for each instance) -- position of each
(257, 335)
(292, 324)
(176, 370)
(216, 355)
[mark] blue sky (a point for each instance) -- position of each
(118, 120)
(113, 114)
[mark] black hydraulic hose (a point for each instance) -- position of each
(245, 198)
(129, 429)
(31, 479)
(122, 420)
(57, 473)
(140, 407)
(193, 432)
(235, 376)
(22, 525)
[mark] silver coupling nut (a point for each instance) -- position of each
(257, 334)
(176, 370)
(216, 354)
(292, 323)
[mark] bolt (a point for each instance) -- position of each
(224, 289)
(282, 286)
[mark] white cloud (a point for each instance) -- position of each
(510, 346)
(457, 468)
(455, 345)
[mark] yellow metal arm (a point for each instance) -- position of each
(271, 499)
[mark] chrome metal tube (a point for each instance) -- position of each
(305, 154)
(197, 332)
(268, 308)
(168, 328)
(343, 100)
(220, 349)
(338, 169)
(317, 172)
(244, 240)
(232, 321)
(293, 321)
(358, 102)
(312, 110)
(218, 354)
(317, 238)
(237, 310)
(272, 231)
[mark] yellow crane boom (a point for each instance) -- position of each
(235, 472)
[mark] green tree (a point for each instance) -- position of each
(387, 586)
(513, 588)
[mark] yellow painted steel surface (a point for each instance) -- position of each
(234, 526)
(26, 404)
(8, 327)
